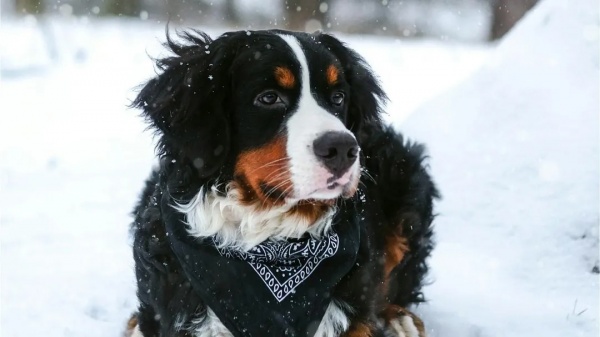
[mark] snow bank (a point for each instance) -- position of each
(515, 150)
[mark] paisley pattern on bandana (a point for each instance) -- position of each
(283, 265)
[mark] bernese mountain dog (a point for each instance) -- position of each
(282, 205)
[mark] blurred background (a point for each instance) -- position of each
(470, 20)
(505, 93)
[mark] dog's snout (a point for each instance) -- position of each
(336, 150)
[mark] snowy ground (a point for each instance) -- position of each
(514, 148)
(515, 151)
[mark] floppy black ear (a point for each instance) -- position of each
(366, 94)
(186, 102)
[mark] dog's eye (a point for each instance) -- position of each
(337, 98)
(268, 98)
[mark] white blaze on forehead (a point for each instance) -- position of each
(306, 124)
(309, 112)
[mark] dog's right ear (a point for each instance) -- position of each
(187, 101)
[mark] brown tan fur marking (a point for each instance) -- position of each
(396, 247)
(131, 324)
(285, 77)
(265, 165)
(311, 210)
(332, 74)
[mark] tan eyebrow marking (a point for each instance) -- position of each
(285, 77)
(332, 74)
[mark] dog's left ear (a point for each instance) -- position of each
(187, 102)
(366, 95)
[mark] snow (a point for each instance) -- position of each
(513, 134)
(514, 149)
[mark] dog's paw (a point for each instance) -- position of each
(403, 327)
(400, 322)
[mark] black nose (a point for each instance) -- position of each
(337, 150)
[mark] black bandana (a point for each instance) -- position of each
(278, 288)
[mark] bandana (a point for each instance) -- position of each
(278, 288)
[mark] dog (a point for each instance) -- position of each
(282, 204)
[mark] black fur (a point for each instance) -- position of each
(192, 106)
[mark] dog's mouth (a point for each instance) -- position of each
(333, 188)
(318, 185)
(334, 181)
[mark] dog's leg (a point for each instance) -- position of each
(398, 321)
(395, 250)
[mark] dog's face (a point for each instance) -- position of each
(290, 122)
(279, 113)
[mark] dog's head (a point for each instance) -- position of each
(281, 115)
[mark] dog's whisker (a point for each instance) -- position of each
(360, 182)
(273, 162)
(279, 173)
(281, 194)
(368, 175)
(276, 187)
(285, 192)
